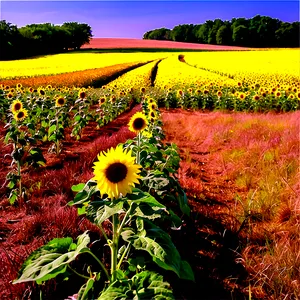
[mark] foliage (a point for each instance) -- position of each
(259, 31)
(36, 39)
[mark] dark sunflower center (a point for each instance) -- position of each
(42, 92)
(20, 115)
(61, 101)
(17, 106)
(116, 172)
(138, 123)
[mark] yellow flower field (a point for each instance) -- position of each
(263, 67)
(64, 63)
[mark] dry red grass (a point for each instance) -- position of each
(241, 173)
(115, 43)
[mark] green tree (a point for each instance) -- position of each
(10, 40)
(78, 34)
(224, 35)
(240, 35)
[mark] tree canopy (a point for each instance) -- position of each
(36, 39)
(259, 31)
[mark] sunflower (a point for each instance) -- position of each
(41, 92)
(102, 100)
(152, 114)
(179, 93)
(82, 94)
(256, 97)
(153, 106)
(9, 95)
(60, 101)
(116, 172)
(19, 85)
(205, 92)
(16, 106)
(113, 99)
(138, 122)
(143, 90)
(150, 101)
(291, 96)
(278, 94)
(242, 96)
(219, 94)
(20, 115)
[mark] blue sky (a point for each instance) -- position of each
(131, 19)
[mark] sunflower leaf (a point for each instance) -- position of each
(144, 285)
(158, 244)
(84, 290)
(52, 259)
(106, 211)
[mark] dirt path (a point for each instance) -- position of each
(208, 240)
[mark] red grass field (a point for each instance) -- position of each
(217, 149)
(114, 43)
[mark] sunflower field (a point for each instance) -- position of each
(133, 197)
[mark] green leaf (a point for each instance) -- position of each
(117, 291)
(84, 290)
(11, 185)
(150, 285)
(52, 138)
(77, 118)
(51, 129)
(52, 259)
(186, 271)
(13, 197)
(157, 243)
(139, 196)
(145, 285)
(107, 211)
(78, 187)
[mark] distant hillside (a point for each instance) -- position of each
(117, 43)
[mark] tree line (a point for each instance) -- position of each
(37, 39)
(259, 31)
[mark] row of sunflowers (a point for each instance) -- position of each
(135, 190)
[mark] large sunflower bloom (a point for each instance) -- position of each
(60, 101)
(116, 172)
(138, 122)
(20, 115)
(16, 106)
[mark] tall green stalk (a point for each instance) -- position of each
(138, 158)
(114, 248)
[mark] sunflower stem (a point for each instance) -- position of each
(125, 219)
(114, 249)
(80, 275)
(138, 158)
(123, 255)
(57, 142)
(103, 232)
(100, 263)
